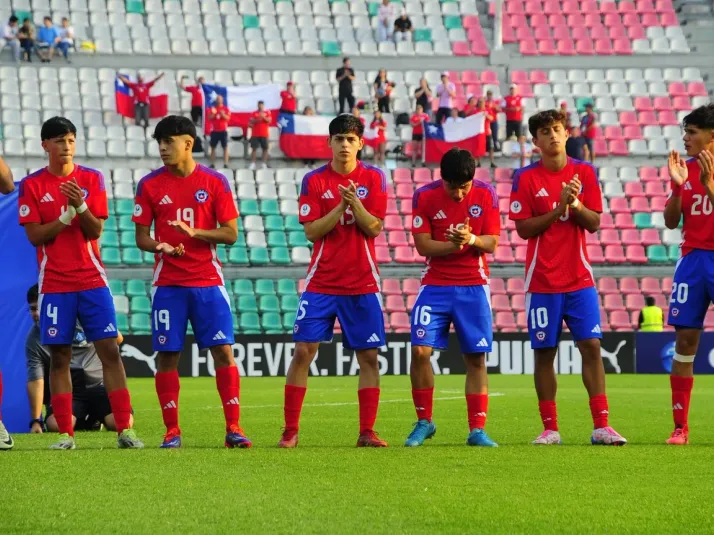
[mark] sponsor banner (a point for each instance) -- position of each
(655, 352)
(270, 356)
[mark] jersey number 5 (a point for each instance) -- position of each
(350, 219)
(185, 215)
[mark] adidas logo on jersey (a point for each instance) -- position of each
(542, 193)
(482, 343)
(166, 200)
(328, 195)
(440, 215)
(170, 405)
(687, 186)
(596, 329)
(233, 401)
(110, 328)
(47, 198)
(219, 336)
(373, 338)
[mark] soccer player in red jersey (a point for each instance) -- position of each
(342, 207)
(553, 202)
(63, 207)
(6, 186)
(193, 210)
(692, 198)
(456, 221)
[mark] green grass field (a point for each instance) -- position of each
(329, 486)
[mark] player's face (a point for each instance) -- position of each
(551, 139)
(35, 312)
(60, 149)
(457, 192)
(696, 139)
(174, 150)
(345, 147)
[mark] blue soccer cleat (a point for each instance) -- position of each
(478, 437)
(235, 438)
(423, 429)
(172, 440)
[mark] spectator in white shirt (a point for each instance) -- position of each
(445, 92)
(454, 117)
(66, 33)
(385, 24)
(11, 39)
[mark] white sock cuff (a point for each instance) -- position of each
(684, 358)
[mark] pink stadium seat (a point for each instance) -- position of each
(661, 301)
(664, 173)
(624, 221)
(628, 118)
(461, 48)
(397, 238)
(411, 286)
(498, 286)
(599, 32)
(557, 19)
(609, 237)
(633, 132)
(471, 21)
(522, 320)
(681, 103)
(552, 7)
(469, 77)
(400, 320)
(640, 204)
(697, 89)
(381, 240)
(629, 285)
(622, 47)
(603, 47)
(649, 174)
(542, 33)
(405, 191)
(584, 47)
(611, 19)
(626, 7)
(615, 254)
(503, 190)
(565, 47)
(504, 320)
(592, 239)
(658, 204)
(392, 208)
(668, 19)
(500, 303)
(394, 303)
(606, 221)
(631, 33)
(631, 20)
(404, 255)
(521, 253)
(602, 148)
(402, 175)
(519, 77)
(538, 21)
(644, 6)
(538, 77)
(664, 6)
(607, 285)
(518, 302)
(489, 77)
(612, 302)
(516, 240)
(620, 320)
(382, 254)
(437, 174)
(391, 287)
(636, 254)
(405, 207)
(634, 189)
(667, 118)
(524, 32)
(528, 48)
(643, 104)
(663, 103)
(613, 132)
(411, 299)
(504, 255)
(571, 7)
(607, 7)
(393, 222)
(561, 33)
(525, 90)
(422, 175)
(503, 206)
(648, 118)
(575, 21)
(483, 174)
(635, 302)
(650, 236)
(618, 205)
(677, 89)
(595, 254)
(515, 286)
(667, 285)
(650, 285)
(390, 191)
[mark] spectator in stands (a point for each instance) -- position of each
(380, 125)
(357, 112)
(260, 131)
(423, 96)
(385, 21)
(344, 76)
(309, 112)
(382, 91)
(651, 319)
(514, 113)
(588, 124)
(455, 117)
(47, 40)
(564, 109)
(480, 107)
(219, 115)
(26, 34)
(403, 28)
(288, 102)
(66, 38)
(576, 147)
(140, 91)
(10, 37)
(417, 121)
(445, 92)
(494, 109)
(471, 104)
(196, 92)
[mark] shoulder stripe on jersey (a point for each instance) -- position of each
(145, 178)
(517, 175)
(381, 173)
(30, 176)
(423, 189)
(587, 164)
(216, 174)
(308, 176)
(97, 172)
(491, 190)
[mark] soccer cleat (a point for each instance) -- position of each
(6, 442)
(369, 439)
(607, 436)
(423, 430)
(127, 440)
(172, 439)
(680, 437)
(478, 437)
(64, 442)
(289, 439)
(547, 438)
(235, 438)
(252, 166)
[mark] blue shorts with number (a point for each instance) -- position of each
(692, 289)
(360, 317)
(545, 314)
(468, 307)
(59, 314)
(208, 308)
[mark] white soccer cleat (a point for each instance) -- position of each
(252, 166)
(6, 442)
(547, 438)
(607, 436)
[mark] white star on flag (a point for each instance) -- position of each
(284, 122)
(433, 129)
(213, 96)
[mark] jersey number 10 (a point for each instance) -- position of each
(185, 215)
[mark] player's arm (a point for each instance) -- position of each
(426, 246)
(678, 172)
(315, 230)
(145, 242)
(367, 223)
(6, 183)
(705, 159)
(462, 237)
(226, 233)
(584, 216)
(91, 225)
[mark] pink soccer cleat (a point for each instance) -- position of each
(547, 438)
(679, 437)
(607, 436)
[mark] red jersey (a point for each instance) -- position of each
(434, 212)
(288, 101)
(417, 121)
(514, 101)
(698, 227)
(343, 261)
(587, 125)
(70, 262)
(219, 123)
(259, 127)
(196, 95)
(202, 200)
(141, 91)
(556, 260)
(379, 125)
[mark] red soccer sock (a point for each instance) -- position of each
(423, 402)
(599, 410)
(121, 408)
(167, 388)
(681, 395)
(0, 396)
(368, 405)
(62, 410)
(294, 397)
(477, 407)
(548, 415)
(228, 383)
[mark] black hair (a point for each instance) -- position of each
(457, 167)
(174, 125)
(12, 19)
(346, 124)
(702, 117)
(33, 294)
(345, 60)
(546, 118)
(261, 102)
(650, 301)
(47, 17)
(65, 19)
(57, 127)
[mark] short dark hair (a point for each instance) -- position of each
(261, 102)
(702, 117)
(33, 294)
(47, 17)
(345, 60)
(12, 19)
(174, 125)
(57, 127)
(346, 124)
(650, 301)
(546, 118)
(65, 19)
(457, 166)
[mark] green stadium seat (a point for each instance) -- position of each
(580, 103)
(288, 321)
(274, 222)
(149, 258)
(240, 240)
(269, 303)
(271, 321)
(331, 48)
(296, 238)
(289, 303)
(238, 255)
(373, 9)
(452, 22)
(235, 322)
(222, 255)
(125, 223)
(142, 333)
(116, 286)
(136, 288)
(243, 287)
(287, 287)
(674, 251)
(422, 35)
(249, 207)
(110, 256)
(140, 322)
(265, 287)
(250, 321)
(124, 207)
(259, 256)
(135, 6)
(122, 322)
(110, 238)
(270, 207)
(189, 329)
(292, 223)
(21, 15)
(127, 239)
(280, 255)
(132, 256)
(276, 238)
(247, 303)
(251, 21)
(657, 254)
(140, 304)
(643, 221)
(110, 223)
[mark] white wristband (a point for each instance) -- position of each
(472, 240)
(573, 204)
(68, 215)
(82, 208)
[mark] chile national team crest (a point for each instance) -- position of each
(85, 193)
(201, 195)
(475, 210)
(540, 335)
(421, 333)
(52, 332)
(362, 192)
(161, 339)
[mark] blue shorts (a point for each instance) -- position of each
(545, 314)
(208, 308)
(468, 307)
(59, 314)
(692, 289)
(360, 317)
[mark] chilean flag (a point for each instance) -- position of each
(370, 137)
(468, 134)
(305, 137)
(158, 100)
(242, 101)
